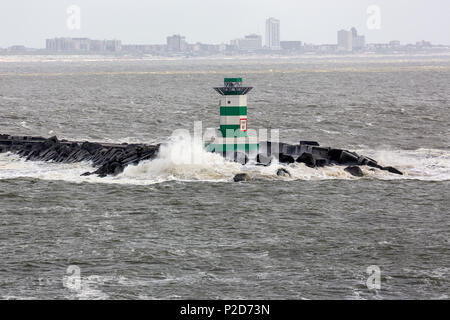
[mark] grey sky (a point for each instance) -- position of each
(30, 22)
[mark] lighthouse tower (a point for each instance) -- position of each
(232, 136)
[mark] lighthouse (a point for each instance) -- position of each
(232, 136)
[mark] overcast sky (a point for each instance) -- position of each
(30, 22)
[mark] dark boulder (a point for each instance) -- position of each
(113, 167)
(354, 171)
(116, 168)
(307, 159)
(263, 159)
(392, 170)
(334, 154)
(240, 157)
(284, 158)
(309, 143)
(366, 161)
(348, 157)
(283, 173)
(241, 177)
(50, 142)
(321, 162)
(91, 147)
(319, 152)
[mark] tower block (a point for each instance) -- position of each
(233, 120)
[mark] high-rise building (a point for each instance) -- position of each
(273, 34)
(345, 42)
(358, 41)
(176, 43)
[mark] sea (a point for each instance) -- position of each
(179, 227)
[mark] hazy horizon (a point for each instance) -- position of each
(213, 21)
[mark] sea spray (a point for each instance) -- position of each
(184, 158)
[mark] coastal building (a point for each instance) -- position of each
(17, 48)
(176, 43)
(344, 41)
(291, 45)
(326, 48)
(273, 34)
(358, 41)
(423, 43)
(113, 45)
(59, 44)
(348, 41)
(156, 49)
(251, 42)
(82, 44)
(203, 48)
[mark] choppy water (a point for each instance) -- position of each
(173, 229)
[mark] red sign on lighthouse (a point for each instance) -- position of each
(243, 124)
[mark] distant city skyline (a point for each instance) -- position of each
(348, 41)
(138, 22)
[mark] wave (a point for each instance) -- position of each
(185, 160)
(420, 164)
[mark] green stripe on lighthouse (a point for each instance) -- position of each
(233, 111)
(232, 80)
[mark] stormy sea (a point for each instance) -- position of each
(172, 228)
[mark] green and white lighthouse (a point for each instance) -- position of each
(232, 136)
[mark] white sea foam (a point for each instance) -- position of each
(185, 160)
(420, 164)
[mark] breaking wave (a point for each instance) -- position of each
(420, 164)
(185, 160)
